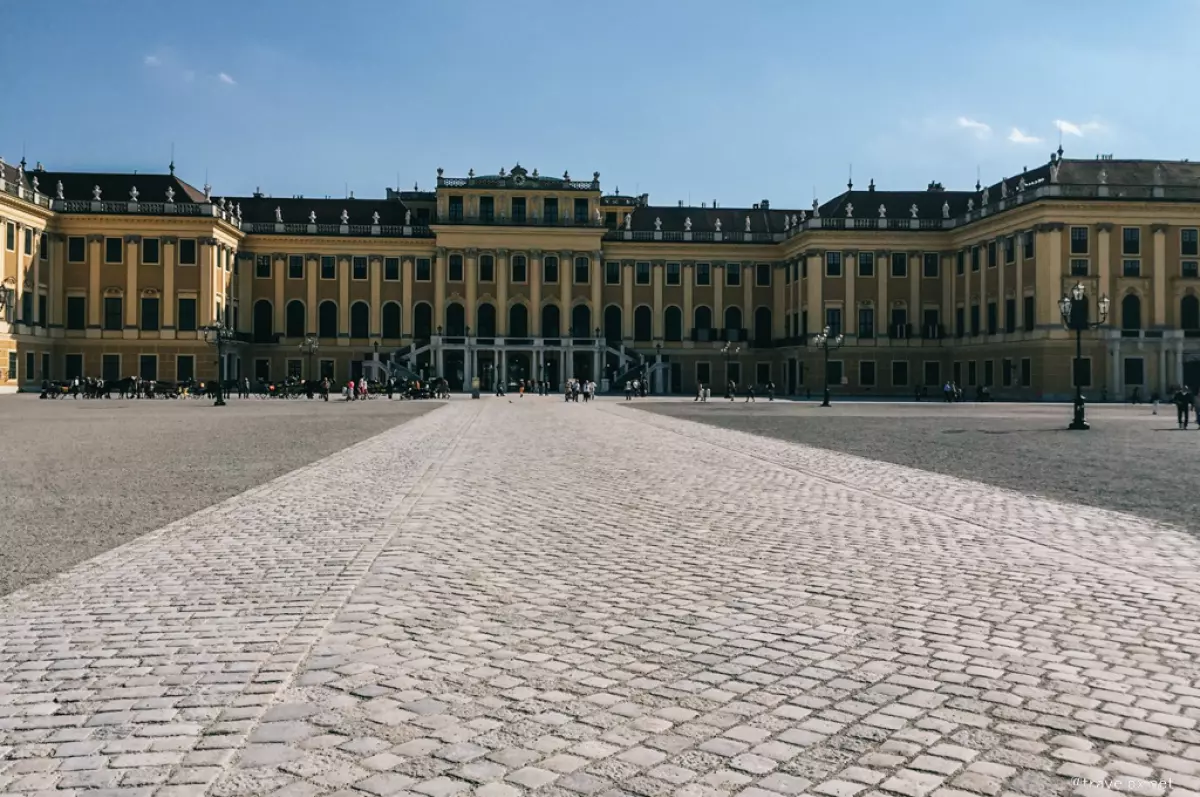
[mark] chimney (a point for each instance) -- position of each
(765, 205)
(755, 206)
(681, 203)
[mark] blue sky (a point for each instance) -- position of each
(690, 99)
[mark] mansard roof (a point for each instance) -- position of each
(116, 187)
(897, 204)
(674, 218)
(296, 210)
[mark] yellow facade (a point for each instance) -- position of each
(522, 276)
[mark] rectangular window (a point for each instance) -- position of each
(112, 313)
(833, 320)
(866, 322)
(866, 264)
(28, 241)
(76, 249)
(1189, 268)
(674, 276)
(989, 373)
(733, 275)
(328, 267)
(295, 267)
(185, 367)
(933, 373)
(762, 275)
(328, 369)
(960, 324)
(992, 260)
(150, 313)
(974, 259)
(866, 373)
(487, 208)
(1135, 371)
(519, 269)
(1026, 372)
(641, 273)
(762, 373)
(424, 270)
(1027, 245)
(151, 256)
(1010, 250)
(833, 264)
(930, 321)
(610, 220)
(1079, 240)
(733, 372)
(359, 268)
(74, 366)
(29, 360)
(612, 272)
(899, 373)
(959, 262)
(899, 322)
(1079, 267)
(43, 309)
(391, 269)
(1131, 241)
(581, 211)
(974, 319)
(900, 264)
(1027, 311)
(487, 268)
(148, 367)
(186, 322)
(187, 251)
(1131, 268)
(550, 270)
(835, 372)
(455, 208)
(703, 373)
(113, 251)
(518, 209)
(110, 367)
(581, 272)
(550, 210)
(1189, 245)
(12, 366)
(76, 312)
(454, 268)
(294, 368)
(1006, 372)
(10, 236)
(972, 373)
(931, 264)
(1083, 371)
(262, 267)
(1010, 315)
(703, 274)
(993, 318)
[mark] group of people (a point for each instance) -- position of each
(579, 387)
(704, 392)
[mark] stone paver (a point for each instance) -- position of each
(503, 597)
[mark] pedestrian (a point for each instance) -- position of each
(1183, 404)
(770, 390)
(628, 390)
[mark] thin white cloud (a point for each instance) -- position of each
(152, 60)
(1017, 137)
(978, 128)
(226, 79)
(1072, 129)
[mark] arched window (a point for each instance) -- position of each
(762, 326)
(518, 321)
(295, 321)
(456, 320)
(581, 321)
(703, 318)
(643, 323)
(391, 320)
(485, 320)
(673, 323)
(1131, 312)
(733, 321)
(551, 324)
(360, 320)
(422, 321)
(1189, 313)
(612, 323)
(264, 319)
(327, 319)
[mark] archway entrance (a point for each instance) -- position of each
(582, 365)
(517, 367)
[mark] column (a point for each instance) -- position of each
(58, 255)
(245, 292)
(170, 253)
(343, 279)
(596, 365)
(1162, 366)
(718, 281)
(1001, 303)
(816, 281)
(35, 266)
(689, 280)
(1179, 362)
(916, 268)
(779, 308)
(657, 269)
(1103, 256)
(1048, 286)
(748, 277)
(406, 299)
(535, 295)
(279, 278)
(1019, 291)
(627, 299)
(439, 288)
(502, 275)
(850, 275)
(983, 272)
(565, 274)
(19, 275)
(501, 366)
(883, 271)
(132, 245)
(1160, 283)
(376, 328)
(208, 265)
(1115, 386)
(312, 265)
(946, 315)
(471, 265)
(596, 279)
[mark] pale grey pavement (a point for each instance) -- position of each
(528, 597)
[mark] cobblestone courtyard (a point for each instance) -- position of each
(529, 597)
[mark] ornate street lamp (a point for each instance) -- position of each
(220, 337)
(1075, 310)
(729, 350)
(827, 341)
(309, 346)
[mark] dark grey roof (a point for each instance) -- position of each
(897, 204)
(1130, 172)
(674, 218)
(329, 211)
(116, 187)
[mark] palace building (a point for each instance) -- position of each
(520, 275)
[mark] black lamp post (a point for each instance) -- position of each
(219, 336)
(728, 350)
(827, 341)
(1075, 309)
(309, 346)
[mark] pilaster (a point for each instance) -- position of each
(376, 326)
(596, 280)
(208, 268)
(1019, 291)
(439, 288)
(1159, 232)
(278, 279)
(850, 275)
(502, 276)
(688, 276)
(35, 266)
(94, 299)
(718, 281)
(656, 269)
(312, 269)
(58, 256)
(779, 286)
(1104, 257)
(132, 295)
(627, 299)
(535, 292)
(471, 266)
(343, 275)
(815, 289)
(566, 274)
(170, 253)
(406, 286)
